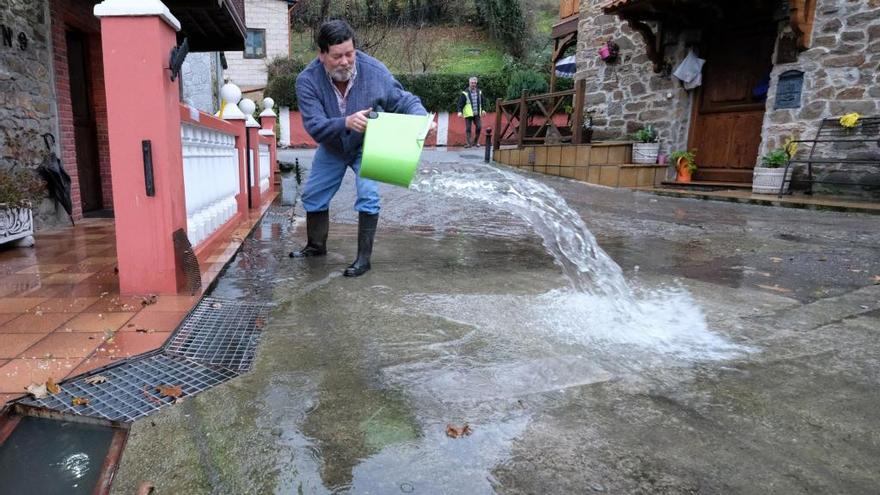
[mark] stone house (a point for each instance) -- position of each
(267, 37)
(772, 70)
(52, 81)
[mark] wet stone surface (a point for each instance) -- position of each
(748, 362)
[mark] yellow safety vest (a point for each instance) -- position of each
(468, 110)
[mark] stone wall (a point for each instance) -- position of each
(201, 80)
(270, 15)
(628, 94)
(26, 89)
(841, 75)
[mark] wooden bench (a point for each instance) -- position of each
(836, 145)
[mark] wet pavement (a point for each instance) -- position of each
(748, 363)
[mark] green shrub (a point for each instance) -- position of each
(438, 92)
(526, 80)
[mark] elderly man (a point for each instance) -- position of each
(336, 93)
(470, 106)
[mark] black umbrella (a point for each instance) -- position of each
(52, 171)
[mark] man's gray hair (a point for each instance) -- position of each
(473, 78)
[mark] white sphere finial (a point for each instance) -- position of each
(247, 106)
(230, 93)
(268, 103)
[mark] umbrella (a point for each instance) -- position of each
(566, 67)
(56, 178)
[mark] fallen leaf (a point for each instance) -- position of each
(216, 305)
(150, 397)
(260, 322)
(38, 391)
(146, 488)
(456, 432)
(774, 288)
(876, 279)
(169, 390)
(151, 299)
(775, 259)
(109, 335)
(144, 330)
(95, 380)
(52, 387)
(80, 401)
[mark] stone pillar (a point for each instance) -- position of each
(143, 120)
(267, 120)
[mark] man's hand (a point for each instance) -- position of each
(459, 114)
(358, 120)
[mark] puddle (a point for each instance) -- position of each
(57, 455)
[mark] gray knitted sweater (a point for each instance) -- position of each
(373, 87)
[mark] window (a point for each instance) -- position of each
(255, 43)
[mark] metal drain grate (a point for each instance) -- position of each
(220, 333)
(129, 391)
(216, 342)
(186, 258)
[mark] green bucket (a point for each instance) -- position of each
(392, 147)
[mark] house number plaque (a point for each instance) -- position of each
(789, 89)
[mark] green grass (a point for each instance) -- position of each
(456, 51)
(470, 57)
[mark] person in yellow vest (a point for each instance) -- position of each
(470, 106)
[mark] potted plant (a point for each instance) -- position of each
(769, 176)
(685, 164)
(19, 189)
(646, 146)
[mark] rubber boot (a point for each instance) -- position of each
(317, 226)
(366, 232)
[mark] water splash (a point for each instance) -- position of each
(565, 236)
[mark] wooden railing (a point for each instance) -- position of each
(541, 119)
(569, 8)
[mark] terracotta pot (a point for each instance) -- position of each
(683, 170)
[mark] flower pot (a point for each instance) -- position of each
(683, 170)
(645, 152)
(16, 224)
(769, 180)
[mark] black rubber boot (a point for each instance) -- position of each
(317, 226)
(366, 233)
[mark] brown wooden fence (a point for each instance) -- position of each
(550, 118)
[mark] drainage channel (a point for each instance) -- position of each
(216, 342)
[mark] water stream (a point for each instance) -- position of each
(588, 268)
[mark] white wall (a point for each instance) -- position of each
(270, 15)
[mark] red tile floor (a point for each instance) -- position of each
(61, 313)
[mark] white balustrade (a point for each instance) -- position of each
(211, 182)
(265, 167)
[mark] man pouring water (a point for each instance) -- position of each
(336, 93)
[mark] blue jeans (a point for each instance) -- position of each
(324, 180)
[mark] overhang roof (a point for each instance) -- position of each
(210, 25)
(699, 13)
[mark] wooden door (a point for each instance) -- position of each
(726, 128)
(85, 132)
